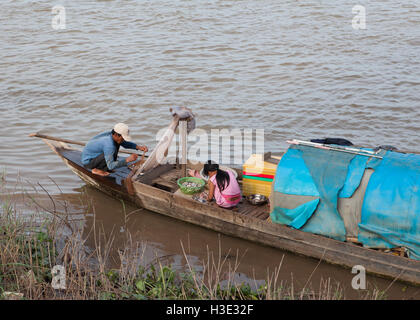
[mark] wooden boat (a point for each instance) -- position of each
(157, 191)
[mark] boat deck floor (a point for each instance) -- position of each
(168, 181)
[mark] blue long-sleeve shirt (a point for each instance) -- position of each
(103, 143)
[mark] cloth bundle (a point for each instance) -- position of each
(161, 150)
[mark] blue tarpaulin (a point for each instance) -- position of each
(354, 176)
(313, 172)
(390, 214)
(391, 208)
(296, 217)
(293, 176)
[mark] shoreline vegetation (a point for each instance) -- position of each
(32, 245)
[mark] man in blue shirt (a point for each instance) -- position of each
(101, 152)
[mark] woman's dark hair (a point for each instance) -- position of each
(222, 177)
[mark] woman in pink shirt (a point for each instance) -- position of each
(222, 185)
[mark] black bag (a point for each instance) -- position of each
(337, 141)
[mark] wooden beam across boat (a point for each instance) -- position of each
(79, 143)
(152, 195)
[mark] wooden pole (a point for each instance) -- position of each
(177, 155)
(183, 134)
(359, 152)
(43, 136)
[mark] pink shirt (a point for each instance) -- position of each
(225, 198)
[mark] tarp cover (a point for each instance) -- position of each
(391, 206)
(313, 172)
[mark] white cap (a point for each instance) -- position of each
(123, 130)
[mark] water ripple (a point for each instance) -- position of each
(296, 69)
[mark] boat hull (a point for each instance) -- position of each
(252, 229)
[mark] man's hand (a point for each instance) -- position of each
(132, 157)
(142, 148)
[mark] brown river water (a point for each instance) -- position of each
(294, 69)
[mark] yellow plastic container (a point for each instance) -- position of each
(257, 176)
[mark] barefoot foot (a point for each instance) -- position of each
(100, 172)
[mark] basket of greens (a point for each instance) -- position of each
(191, 185)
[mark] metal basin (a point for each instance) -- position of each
(257, 199)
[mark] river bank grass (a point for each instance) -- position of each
(31, 247)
